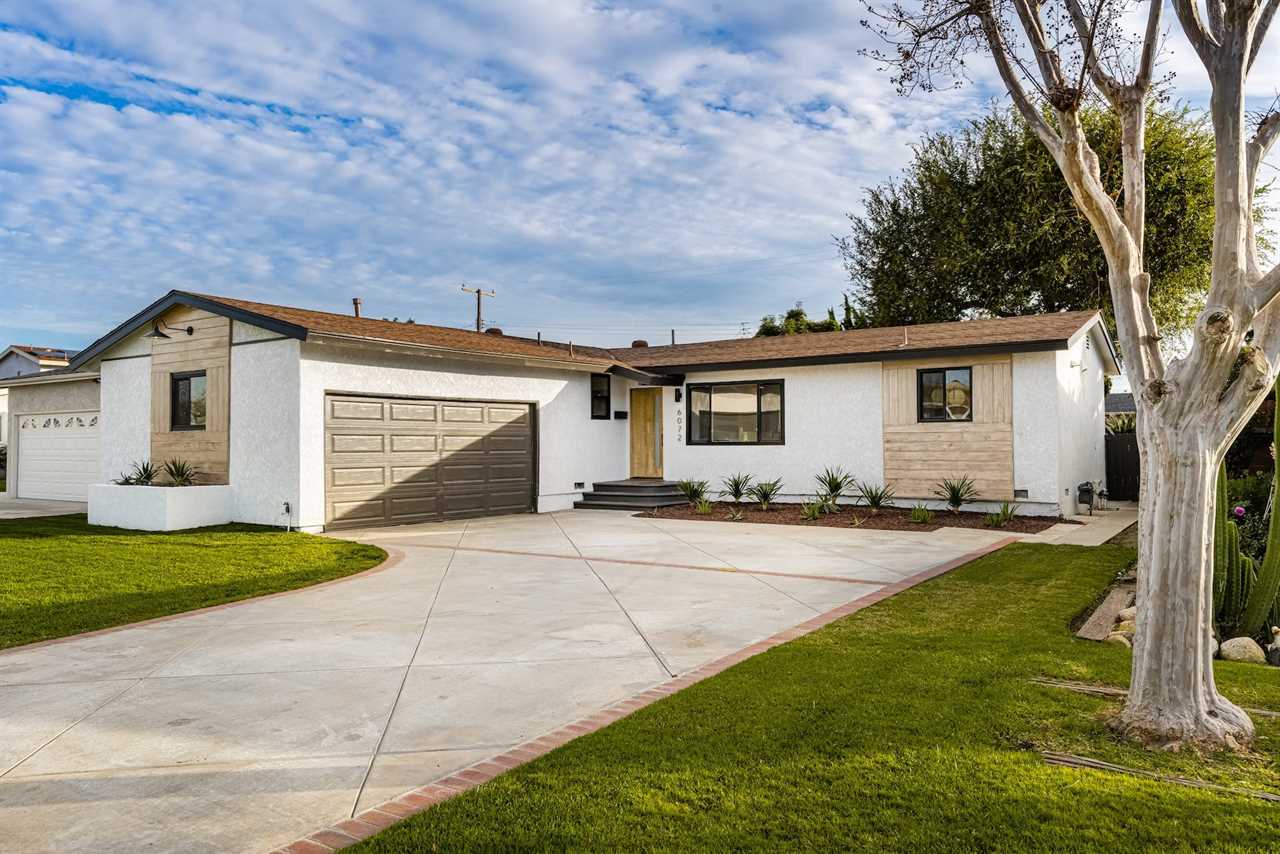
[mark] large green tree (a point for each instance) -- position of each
(982, 223)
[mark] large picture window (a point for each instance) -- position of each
(945, 394)
(735, 413)
(187, 395)
(600, 401)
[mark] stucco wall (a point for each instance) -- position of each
(54, 397)
(571, 447)
(831, 417)
(17, 365)
(1035, 426)
(1082, 419)
(263, 471)
(126, 414)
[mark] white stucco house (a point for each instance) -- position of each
(324, 420)
(19, 360)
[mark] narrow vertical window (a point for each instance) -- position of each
(600, 400)
(187, 400)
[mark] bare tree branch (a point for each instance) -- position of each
(1087, 31)
(1032, 116)
(1150, 45)
(1193, 25)
(1260, 34)
(1056, 90)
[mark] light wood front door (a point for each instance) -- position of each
(646, 432)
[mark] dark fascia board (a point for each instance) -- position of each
(168, 301)
(663, 379)
(844, 358)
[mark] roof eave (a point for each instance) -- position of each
(60, 376)
(455, 353)
(168, 301)
(849, 358)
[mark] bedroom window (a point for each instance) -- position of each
(600, 401)
(945, 394)
(187, 393)
(735, 413)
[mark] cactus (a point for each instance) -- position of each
(1244, 595)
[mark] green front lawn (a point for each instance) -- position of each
(59, 575)
(908, 726)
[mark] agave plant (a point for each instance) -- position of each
(956, 492)
(693, 491)
(1001, 517)
(735, 514)
(736, 486)
(180, 472)
(833, 483)
(703, 507)
(921, 515)
(812, 511)
(875, 496)
(765, 492)
(142, 474)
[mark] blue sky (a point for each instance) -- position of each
(612, 170)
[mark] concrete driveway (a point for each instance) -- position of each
(29, 508)
(245, 727)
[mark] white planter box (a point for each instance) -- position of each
(158, 508)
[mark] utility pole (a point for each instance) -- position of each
(480, 295)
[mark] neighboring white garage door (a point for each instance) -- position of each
(58, 455)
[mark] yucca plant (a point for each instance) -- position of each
(735, 514)
(142, 474)
(1122, 422)
(833, 483)
(921, 515)
(1001, 517)
(703, 507)
(736, 486)
(812, 511)
(875, 496)
(956, 492)
(693, 491)
(180, 472)
(765, 492)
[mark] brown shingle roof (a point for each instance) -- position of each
(464, 340)
(48, 354)
(1028, 331)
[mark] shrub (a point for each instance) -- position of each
(703, 507)
(735, 514)
(956, 492)
(812, 511)
(142, 474)
(921, 515)
(736, 486)
(833, 483)
(180, 472)
(1122, 422)
(875, 496)
(693, 491)
(1001, 517)
(765, 492)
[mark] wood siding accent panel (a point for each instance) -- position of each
(207, 349)
(918, 455)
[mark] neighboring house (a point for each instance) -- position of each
(1118, 403)
(19, 360)
(328, 420)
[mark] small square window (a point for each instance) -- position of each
(600, 397)
(945, 394)
(187, 396)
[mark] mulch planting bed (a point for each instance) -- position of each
(886, 519)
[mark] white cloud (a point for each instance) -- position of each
(614, 170)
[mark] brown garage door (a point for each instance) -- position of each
(391, 461)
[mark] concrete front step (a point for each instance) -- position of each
(631, 495)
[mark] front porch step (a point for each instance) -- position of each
(630, 495)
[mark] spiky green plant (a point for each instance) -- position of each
(956, 491)
(812, 511)
(703, 507)
(1122, 422)
(736, 486)
(921, 515)
(1001, 517)
(735, 514)
(875, 495)
(180, 472)
(142, 474)
(765, 492)
(833, 483)
(1244, 593)
(693, 491)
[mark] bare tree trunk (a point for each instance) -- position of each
(1173, 699)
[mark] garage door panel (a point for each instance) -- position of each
(396, 461)
(58, 456)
